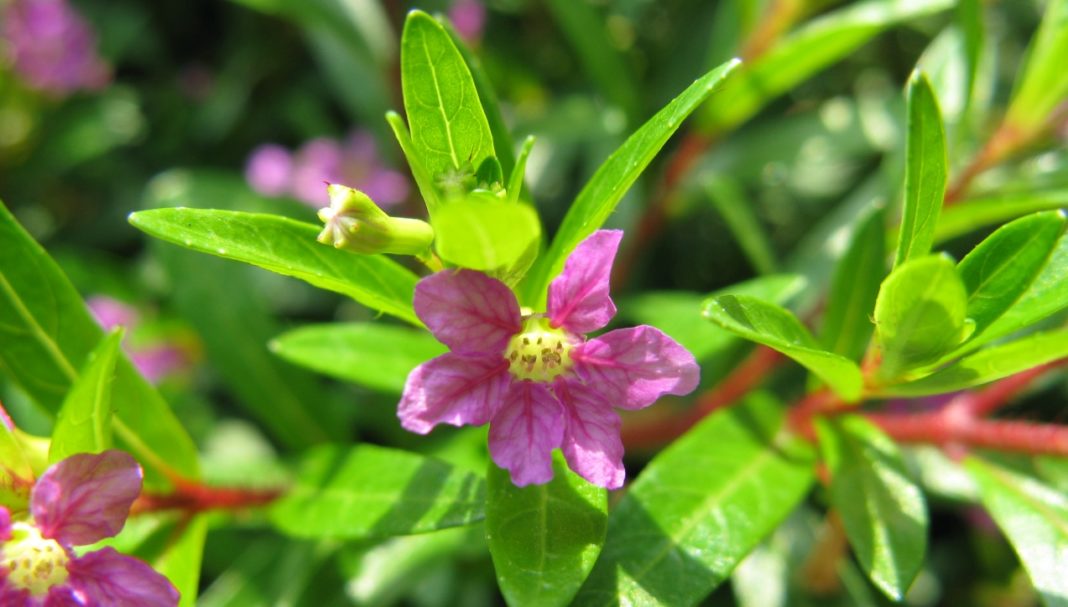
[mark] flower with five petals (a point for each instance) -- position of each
(534, 377)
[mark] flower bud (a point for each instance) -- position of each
(355, 223)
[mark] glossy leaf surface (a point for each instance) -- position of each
(83, 424)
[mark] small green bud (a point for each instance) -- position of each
(355, 223)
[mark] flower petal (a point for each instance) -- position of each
(578, 297)
(634, 367)
(591, 444)
(13, 597)
(117, 580)
(468, 311)
(62, 596)
(453, 389)
(525, 431)
(86, 497)
(5, 524)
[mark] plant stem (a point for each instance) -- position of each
(192, 497)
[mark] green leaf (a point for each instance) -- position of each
(368, 491)
(775, 327)
(287, 247)
(882, 509)
(806, 51)
(269, 572)
(973, 214)
(423, 179)
(920, 314)
(83, 424)
(485, 233)
(585, 31)
(544, 539)
(847, 325)
(449, 129)
(925, 171)
(606, 188)
(46, 333)
(998, 271)
(699, 507)
(1035, 519)
(1047, 294)
(737, 212)
(16, 474)
(180, 560)
(503, 145)
(1044, 81)
(515, 180)
(375, 355)
(988, 365)
(678, 313)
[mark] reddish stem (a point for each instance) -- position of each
(738, 383)
(964, 431)
(985, 402)
(193, 498)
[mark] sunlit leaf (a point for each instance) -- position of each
(83, 424)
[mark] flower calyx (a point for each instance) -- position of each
(355, 223)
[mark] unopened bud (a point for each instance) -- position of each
(355, 223)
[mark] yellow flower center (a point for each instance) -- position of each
(32, 562)
(539, 352)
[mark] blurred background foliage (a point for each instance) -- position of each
(196, 87)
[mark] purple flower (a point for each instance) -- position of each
(535, 378)
(468, 17)
(271, 170)
(52, 46)
(154, 362)
(78, 501)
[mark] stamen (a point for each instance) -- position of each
(539, 352)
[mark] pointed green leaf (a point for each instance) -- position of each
(678, 313)
(375, 355)
(46, 333)
(515, 180)
(998, 271)
(449, 129)
(16, 474)
(423, 179)
(83, 424)
(920, 314)
(737, 211)
(989, 364)
(699, 507)
(1035, 519)
(925, 171)
(882, 509)
(181, 558)
(1043, 83)
(976, 213)
(544, 539)
(847, 325)
(1046, 295)
(606, 188)
(805, 52)
(775, 327)
(485, 233)
(287, 247)
(369, 491)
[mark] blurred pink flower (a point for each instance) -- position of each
(535, 378)
(468, 17)
(76, 502)
(274, 171)
(52, 47)
(154, 362)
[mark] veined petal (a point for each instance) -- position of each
(578, 297)
(61, 596)
(468, 311)
(15, 597)
(453, 389)
(634, 367)
(591, 443)
(5, 524)
(525, 431)
(117, 580)
(86, 497)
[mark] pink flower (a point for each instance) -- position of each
(154, 362)
(468, 17)
(268, 169)
(535, 378)
(53, 47)
(78, 501)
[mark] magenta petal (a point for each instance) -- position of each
(525, 431)
(578, 297)
(86, 497)
(591, 445)
(453, 389)
(468, 311)
(13, 597)
(109, 578)
(634, 367)
(62, 596)
(5, 524)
